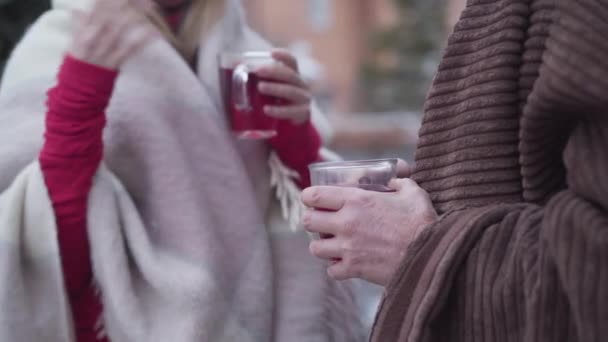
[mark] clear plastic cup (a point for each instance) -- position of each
(374, 175)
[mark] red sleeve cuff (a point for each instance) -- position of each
(297, 139)
(90, 76)
(82, 89)
(298, 146)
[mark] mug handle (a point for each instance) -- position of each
(240, 94)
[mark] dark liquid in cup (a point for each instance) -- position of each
(252, 123)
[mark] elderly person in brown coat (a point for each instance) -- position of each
(501, 234)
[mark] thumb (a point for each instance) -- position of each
(398, 184)
(404, 169)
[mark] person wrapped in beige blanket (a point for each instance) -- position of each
(160, 226)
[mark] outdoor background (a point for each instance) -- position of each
(370, 63)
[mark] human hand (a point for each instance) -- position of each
(112, 32)
(370, 231)
(283, 80)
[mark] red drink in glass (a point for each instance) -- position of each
(243, 102)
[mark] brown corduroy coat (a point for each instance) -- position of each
(514, 152)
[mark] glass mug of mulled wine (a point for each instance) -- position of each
(242, 99)
(371, 175)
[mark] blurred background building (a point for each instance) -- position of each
(333, 31)
(370, 63)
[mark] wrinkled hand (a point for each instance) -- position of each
(289, 86)
(371, 230)
(112, 32)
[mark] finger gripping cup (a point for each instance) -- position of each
(371, 175)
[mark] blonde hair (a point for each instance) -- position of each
(201, 17)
